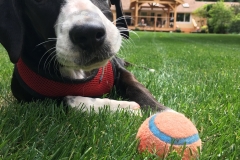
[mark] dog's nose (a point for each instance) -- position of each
(89, 35)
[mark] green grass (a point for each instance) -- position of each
(196, 74)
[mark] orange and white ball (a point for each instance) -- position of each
(168, 131)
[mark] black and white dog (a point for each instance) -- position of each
(65, 49)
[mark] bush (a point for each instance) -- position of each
(136, 29)
(221, 17)
(178, 29)
(235, 25)
(204, 29)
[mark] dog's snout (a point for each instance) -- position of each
(88, 35)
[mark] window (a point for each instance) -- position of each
(183, 17)
(180, 17)
(187, 17)
(152, 17)
(185, 5)
(143, 13)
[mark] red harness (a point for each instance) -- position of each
(50, 88)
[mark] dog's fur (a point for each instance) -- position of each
(70, 38)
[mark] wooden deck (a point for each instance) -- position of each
(151, 28)
(157, 29)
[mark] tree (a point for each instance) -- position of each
(235, 25)
(203, 12)
(220, 17)
(236, 9)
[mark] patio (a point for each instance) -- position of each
(163, 16)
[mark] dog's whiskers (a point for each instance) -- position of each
(53, 56)
(56, 66)
(53, 48)
(52, 40)
(43, 57)
(126, 29)
(122, 17)
(124, 49)
(124, 35)
(127, 44)
(45, 65)
(129, 41)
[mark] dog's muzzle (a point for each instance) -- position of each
(86, 38)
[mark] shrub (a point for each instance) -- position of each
(221, 17)
(136, 29)
(178, 29)
(204, 29)
(235, 24)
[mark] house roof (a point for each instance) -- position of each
(193, 5)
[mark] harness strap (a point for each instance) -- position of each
(53, 89)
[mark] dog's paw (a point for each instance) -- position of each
(86, 103)
(131, 107)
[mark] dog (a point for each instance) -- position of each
(66, 50)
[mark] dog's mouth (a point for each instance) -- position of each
(87, 60)
(83, 64)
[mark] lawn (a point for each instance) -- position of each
(195, 74)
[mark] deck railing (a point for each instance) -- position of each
(153, 23)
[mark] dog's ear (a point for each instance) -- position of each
(11, 28)
(121, 22)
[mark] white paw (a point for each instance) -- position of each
(86, 103)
